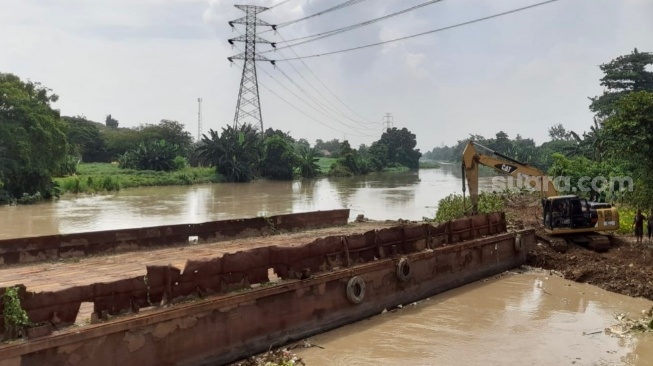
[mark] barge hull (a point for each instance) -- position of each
(220, 329)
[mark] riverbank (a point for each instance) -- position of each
(104, 177)
(627, 268)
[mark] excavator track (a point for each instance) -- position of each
(596, 242)
(557, 243)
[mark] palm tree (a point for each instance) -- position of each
(307, 160)
(236, 153)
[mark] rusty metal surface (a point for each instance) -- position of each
(34, 249)
(311, 298)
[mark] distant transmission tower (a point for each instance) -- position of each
(199, 119)
(387, 121)
(248, 108)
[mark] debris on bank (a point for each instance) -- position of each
(628, 325)
(279, 357)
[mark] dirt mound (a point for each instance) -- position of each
(627, 268)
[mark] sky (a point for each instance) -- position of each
(146, 60)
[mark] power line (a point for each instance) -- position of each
(310, 105)
(329, 90)
(308, 95)
(333, 32)
(423, 33)
(335, 109)
(280, 3)
(333, 8)
(301, 111)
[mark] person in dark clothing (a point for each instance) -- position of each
(638, 224)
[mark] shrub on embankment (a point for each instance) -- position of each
(101, 177)
(452, 207)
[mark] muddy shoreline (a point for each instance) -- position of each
(626, 268)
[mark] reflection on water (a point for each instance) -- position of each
(406, 195)
(527, 319)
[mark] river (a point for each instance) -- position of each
(526, 319)
(520, 319)
(405, 195)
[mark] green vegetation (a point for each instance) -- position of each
(33, 144)
(452, 206)
(324, 164)
(104, 177)
(14, 316)
(626, 219)
(428, 165)
(618, 143)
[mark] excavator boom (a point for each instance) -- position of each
(523, 172)
(566, 218)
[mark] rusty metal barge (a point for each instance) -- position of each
(219, 309)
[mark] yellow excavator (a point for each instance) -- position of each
(566, 219)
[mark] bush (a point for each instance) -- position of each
(451, 207)
(179, 163)
(626, 219)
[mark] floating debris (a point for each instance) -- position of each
(279, 357)
(627, 325)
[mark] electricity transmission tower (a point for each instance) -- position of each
(248, 108)
(387, 121)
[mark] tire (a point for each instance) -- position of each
(404, 270)
(356, 290)
(518, 243)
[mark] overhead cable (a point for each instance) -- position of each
(333, 32)
(364, 124)
(423, 33)
(303, 112)
(358, 132)
(277, 4)
(333, 8)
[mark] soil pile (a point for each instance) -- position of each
(627, 268)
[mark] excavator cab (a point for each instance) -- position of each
(568, 212)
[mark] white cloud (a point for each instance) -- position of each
(146, 60)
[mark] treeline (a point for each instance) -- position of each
(618, 143)
(37, 144)
(519, 148)
(241, 154)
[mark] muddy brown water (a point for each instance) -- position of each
(519, 319)
(522, 319)
(406, 195)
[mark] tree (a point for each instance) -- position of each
(301, 144)
(120, 140)
(307, 159)
(279, 160)
(623, 75)
(150, 155)
(284, 135)
(349, 162)
(401, 147)
(86, 139)
(31, 135)
(172, 132)
(559, 133)
(110, 122)
(236, 153)
(629, 138)
(331, 146)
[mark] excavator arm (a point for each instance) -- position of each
(522, 171)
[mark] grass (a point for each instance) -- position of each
(101, 177)
(325, 164)
(428, 165)
(394, 169)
